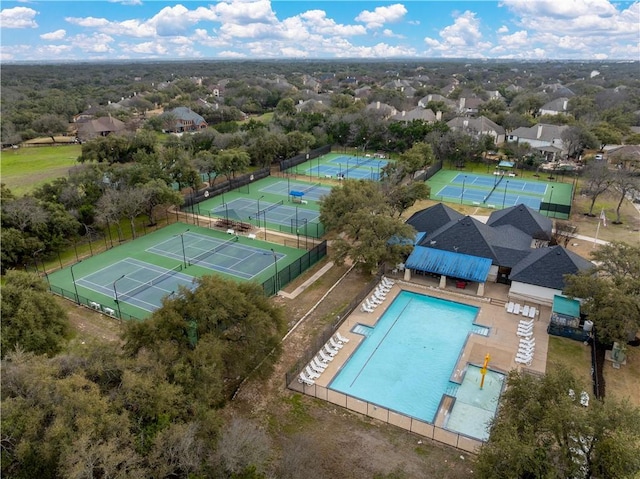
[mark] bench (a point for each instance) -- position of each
(327, 176)
(251, 236)
(476, 203)
(491, 206)
(110, 312)
(94, 305)
(230, 231)
(304, 202)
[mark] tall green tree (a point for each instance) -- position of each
(31, 318)
(598, 179)
(611, 293)
(543, 431)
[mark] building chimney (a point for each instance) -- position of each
(404, 113)
(565, 104)
(377, 105)
(539, 133)
(438, 115)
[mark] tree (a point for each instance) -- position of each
(564, 232)
(31, 318)
(610, 294)
(234, 161)
(625, 181)
(417, 158)
(542, 430)
(51, 125)
(158, 193)
(133, 202)
(607, 134)
(576, 138)
(598, 180)
(360, 213)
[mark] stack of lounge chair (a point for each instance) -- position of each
(378, 296)
(526, 310)
(318, 364)
(527, 342)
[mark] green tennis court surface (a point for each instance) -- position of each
(139, 274)
(501, 191)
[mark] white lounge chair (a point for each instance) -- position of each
(369, 304)
(526, 351)
(311, 373)
(524, 334)
(330, 351)
(528, 341)
(532, 312)
(305, 380)
(324, 356)
(517, 308)
(525, 361)
(380, 292)
(510, 307)
(526, 323)
(379, 295)
(318, 364)
(525, 328)
(527, 344)
(341, 337)
(375, 300)
(525, 356)
(383, 288)
(335, 344)
(387, 281)
(315, 368)
(365, 309)
(525, 310)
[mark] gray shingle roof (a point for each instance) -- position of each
(525, 219)
(546, 267)
(433, 218)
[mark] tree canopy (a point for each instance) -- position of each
(542, 430)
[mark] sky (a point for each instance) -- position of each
(97, 30)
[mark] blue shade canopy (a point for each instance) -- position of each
(455, 265)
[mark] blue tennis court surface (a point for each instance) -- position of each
(136, 282)
(497, 199)
(278, 213)
(229, 256)
(511, 183)
(352, 170)
(311, 192)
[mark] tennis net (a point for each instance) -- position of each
(148, 284)
(213, 250)
(312, 187)
(270, 207)
(493, 189)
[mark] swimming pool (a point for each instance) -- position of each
(406, 360)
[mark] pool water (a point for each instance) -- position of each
(474, 407)
(405, 361)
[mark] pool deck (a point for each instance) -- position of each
(501, 344)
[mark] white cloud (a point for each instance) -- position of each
(127, 2)
(18, 17)
(178, 19)
(317, 21)
(560, 9)
(230, 54)
(462, 38)
(503, 29)
(149, 48)
(94, 43)
(382, 15)
(516, 40)
(239, 11)
(389, 33)
(57, 35)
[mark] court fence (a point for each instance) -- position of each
(217, 189)
(429, 172)
(290, 272)
(298, 159)
(329, 330)
(100, 308)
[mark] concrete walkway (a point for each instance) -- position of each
(307, 283)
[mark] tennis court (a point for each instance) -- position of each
(313, 192)
(500, 191)
(136, 282)
(263, 212)
(230, 256)
(345, 167)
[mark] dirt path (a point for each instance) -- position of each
(91, 325)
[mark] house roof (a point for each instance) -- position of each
(525, 219)
(182, 113)
(546, 267)
(541, 131)
(480, 125)
(433, 218)
(505, 245)
(559, 105)
(99, 126)
(415, 114)
(631, 152)
(455, 265)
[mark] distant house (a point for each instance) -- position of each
(555, 107)
(477, 127)
(424, 114)
(383, 109)
(424, 101)
(511, 248)
(102, 126)
(544, 137)
(469, 106)
(624, 156)
(182, 119)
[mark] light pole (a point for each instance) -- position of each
(347, 170)
(184, 254)
(504, 197)
(115, 292)
(275, 264)
(258, 214)
(463, 182)
(73, 278)
(35, 259)
(550, 203)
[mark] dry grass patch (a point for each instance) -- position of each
(624, 383)
(574, 355)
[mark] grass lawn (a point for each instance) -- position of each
(25, 168)
(574, 355)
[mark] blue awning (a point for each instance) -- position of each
(448, 263)
(506, 164)
(296, 193)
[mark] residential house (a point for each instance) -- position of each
(383, 109)
(543, 137)
(424, 101)
(555, 107)
(183, 119)
(477, 127)
(418, 113)
(511, 248)
(624, 156)
(469, 106)
(311, 105)
(103, 126)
